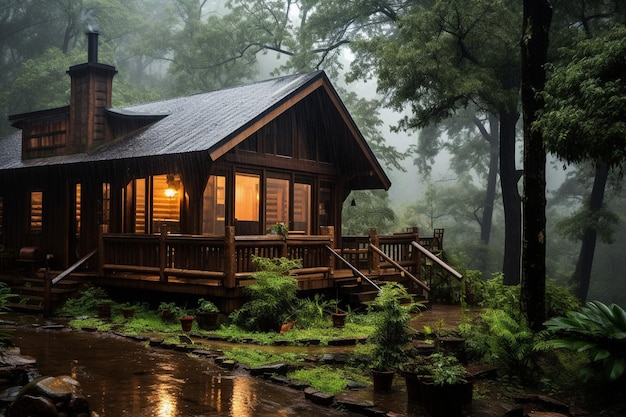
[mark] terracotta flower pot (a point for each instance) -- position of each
(128, 312)
(206, 320)
(339, 320)
(104, 311)
(186, 323)
(382, 380)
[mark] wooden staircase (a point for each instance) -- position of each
(29, 292)
(356, 291)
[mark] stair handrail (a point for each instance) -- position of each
(73, 267)
(400, 267)
(438, 261)
(47, 293)
(349, 265)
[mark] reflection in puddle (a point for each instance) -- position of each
(243, 398)
(122, 378)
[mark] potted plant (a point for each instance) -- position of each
(393, 307)
(440, 382)
(186, 319)
(206, 314)
(128, 310)
(168, 311)
(279, 229)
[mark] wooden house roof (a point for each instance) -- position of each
(211, 123)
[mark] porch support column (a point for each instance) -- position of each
(330, 232)
(374, 258)
(230, 266)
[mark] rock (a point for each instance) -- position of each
(50, 396)
(28, 405)
(279, 368)
(318, 397)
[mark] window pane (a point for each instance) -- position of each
(36, 211)
(276, 202)
(140, 205)
(214, 206)
(166, 194)
(77, 209)
(302, 208)
(247, 204)
(106, 207)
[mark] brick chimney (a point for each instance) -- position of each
(90, 97)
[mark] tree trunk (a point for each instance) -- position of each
(509, 177)
(535, 42)
(493, 139)
(582, 275)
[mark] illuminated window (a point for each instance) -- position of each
(36, 211)
(276, 202)
(247, 197)
(247, 204)
(77, 209)
(214, 206)
(105, 221)
(140, 205)
(166, 196)
(302, 208)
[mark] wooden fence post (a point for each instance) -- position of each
(330, 232)
(230, 255)
(101, 257)
(162, 253)
(374, 258)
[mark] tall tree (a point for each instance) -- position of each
(585, 120)
(445, 56)
(535, 42)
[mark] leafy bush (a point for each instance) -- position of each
(273, 295)
(391, 331)
(86, 303)
(597, 330)
(314, 311)
(503, 341)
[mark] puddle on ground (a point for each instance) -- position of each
(126, 378)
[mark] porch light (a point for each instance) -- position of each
(172, 186)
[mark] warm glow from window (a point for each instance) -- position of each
(247, 197)
(36, 211)
(214, 206)
(77, 209)
(276, 202)
(302, 208)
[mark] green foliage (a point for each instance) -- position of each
(584, 115)
(314, 311)
(444, 369)
(597, 330)
(371, 209)
(207, 306)
(503, 341)
(273, 295)
(393, 307)
(255, 357)
(327, 379)
(86, 303)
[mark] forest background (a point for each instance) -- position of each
(433, 85)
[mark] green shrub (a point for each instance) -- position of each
(86, 303)
(273, 295)
(392, 308)
(597, 330)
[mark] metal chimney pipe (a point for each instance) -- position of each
(92, 47)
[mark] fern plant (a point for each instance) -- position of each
(598, 331)
(273, 295)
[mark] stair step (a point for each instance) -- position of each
(30, 308)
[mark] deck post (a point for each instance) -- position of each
(374, 259)
(47, 294)
(330, 232)
(415, 254)
(230, 267)
(101, 257)
(162, 254)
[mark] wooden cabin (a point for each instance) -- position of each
(183, 190)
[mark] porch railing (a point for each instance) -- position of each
(222, 261)
(227, 260)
